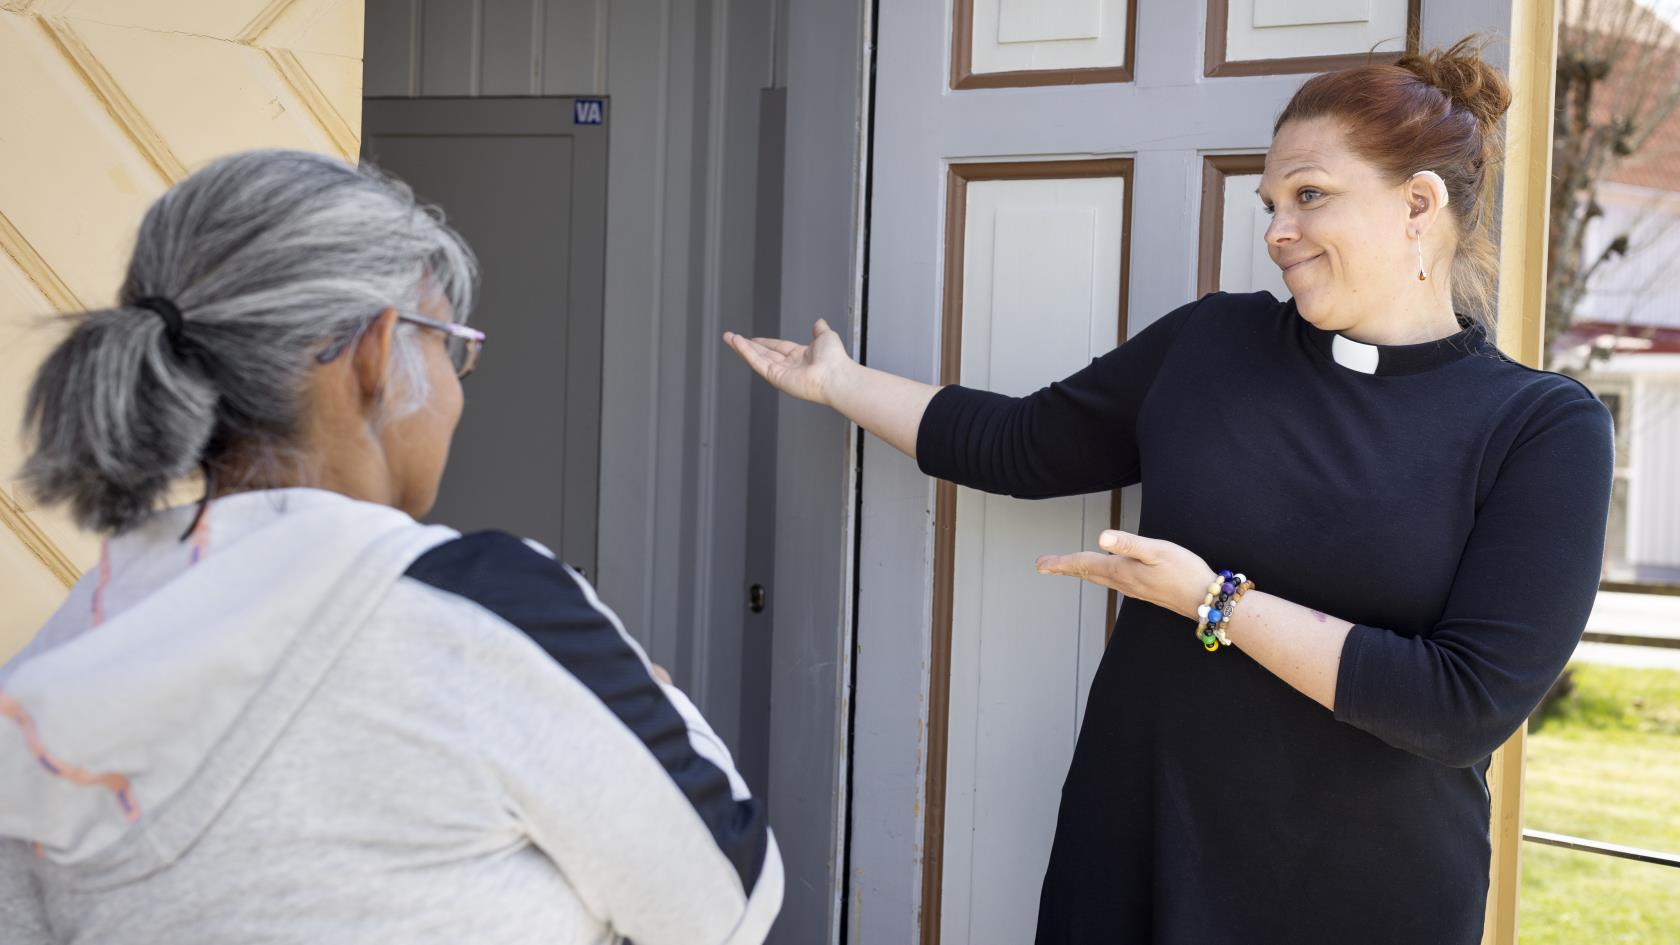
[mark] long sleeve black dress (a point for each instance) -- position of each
(1452, 504)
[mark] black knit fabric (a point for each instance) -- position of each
(1452, 505)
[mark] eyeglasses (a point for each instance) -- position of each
(463, 343)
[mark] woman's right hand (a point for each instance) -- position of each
(805, 371)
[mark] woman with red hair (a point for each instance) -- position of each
(1369, 542)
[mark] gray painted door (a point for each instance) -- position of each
(525, 183)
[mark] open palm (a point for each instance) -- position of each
(804, 371)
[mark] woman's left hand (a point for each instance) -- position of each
(1160, 572)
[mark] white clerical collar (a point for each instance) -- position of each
(1354, 355)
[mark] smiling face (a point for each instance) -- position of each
(1340, 232)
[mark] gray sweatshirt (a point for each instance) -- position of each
(339, 725)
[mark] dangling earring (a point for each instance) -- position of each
(1446, 198)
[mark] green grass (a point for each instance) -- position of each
(1604, 763)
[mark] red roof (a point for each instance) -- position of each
(1632, 339)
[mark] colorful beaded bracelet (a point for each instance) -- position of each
(1223, 595)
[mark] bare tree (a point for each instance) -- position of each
(1618, 82)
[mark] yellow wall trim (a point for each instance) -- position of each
(263, 20)
(36, 540)
(320, 106)
(117, 102)
(1526, 201)
(1526, 194)
(36, 269)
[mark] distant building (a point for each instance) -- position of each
(1628, 327)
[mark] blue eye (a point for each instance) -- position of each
(1305, 195)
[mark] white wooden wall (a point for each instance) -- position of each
(1642, 287)
(1654, 486)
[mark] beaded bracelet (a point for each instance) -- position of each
(1223, 595)
(1227, 607)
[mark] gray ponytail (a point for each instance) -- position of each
(269, 255)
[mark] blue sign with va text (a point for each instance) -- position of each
(587, 111)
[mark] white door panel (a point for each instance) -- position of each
(1285, 29)
(1042, 267)
(1245, 265)
(1016, 35)
(1310, 12)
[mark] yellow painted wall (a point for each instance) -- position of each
(105, 104)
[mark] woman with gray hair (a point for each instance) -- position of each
(289, 712)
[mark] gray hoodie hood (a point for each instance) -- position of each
(122, 739)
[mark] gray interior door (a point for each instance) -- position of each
(524, 180)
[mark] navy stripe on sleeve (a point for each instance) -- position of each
(535, 593)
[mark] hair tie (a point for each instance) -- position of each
(174, 326)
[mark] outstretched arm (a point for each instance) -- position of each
(1075, 436)
(1299, 645)
(889, 406)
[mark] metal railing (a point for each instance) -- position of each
(1630, 639)
(1601, 848)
